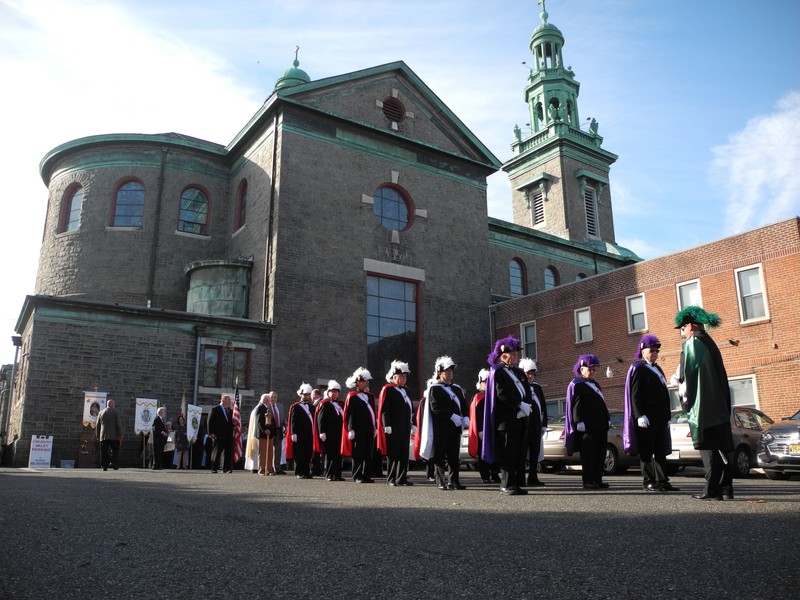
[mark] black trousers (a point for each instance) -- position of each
(446, 448)
(534, 446)
(363, 449)
(109, 453)
(510, 448)
(397, 457)
(593, 455)
(222, 447)
(653, 443)
(719, 473)
(303, 451)
(333, 459)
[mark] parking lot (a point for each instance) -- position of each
(78, 533)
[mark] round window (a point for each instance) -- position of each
(391, 208)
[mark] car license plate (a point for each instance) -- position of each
(794, 448)
(676, 455)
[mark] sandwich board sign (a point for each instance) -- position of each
(41, 452)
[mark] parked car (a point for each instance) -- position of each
(746, 426)
(779, 448)
(555, 454)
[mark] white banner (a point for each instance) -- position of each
(93, 403)
(145, 415)
(193, 416)
(41, 451)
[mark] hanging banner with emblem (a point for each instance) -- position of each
(145, 415)
(193, 416)
(93, 403)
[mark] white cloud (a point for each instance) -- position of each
(757, 169)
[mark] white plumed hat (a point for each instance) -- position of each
(527, 364)
(483, 376)
(359, 374)
(396, 368)
(305, 388)
(443, 363)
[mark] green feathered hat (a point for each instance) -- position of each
(695, 314)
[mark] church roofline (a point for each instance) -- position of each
(177, 140)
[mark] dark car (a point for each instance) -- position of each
(779, 448)
(746, 427)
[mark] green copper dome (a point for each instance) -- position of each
(292, 76)
(546, 31)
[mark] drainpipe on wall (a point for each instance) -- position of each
(270, 230)
(151, 275)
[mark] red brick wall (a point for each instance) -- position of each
(768, 349)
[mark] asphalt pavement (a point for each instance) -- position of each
(135, 533)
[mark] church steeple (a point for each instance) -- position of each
(559, 172)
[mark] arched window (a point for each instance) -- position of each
(516, 277)
(392, 207)
(193, 217)
(241, 205)
(128, 205)
(550, 278)
(70, 218)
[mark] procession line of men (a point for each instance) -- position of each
(505, 420)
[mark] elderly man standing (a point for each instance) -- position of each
(220, 430)
(263, 431)
(279, 422)
(160, 435)
(706, 396)
(109, 432)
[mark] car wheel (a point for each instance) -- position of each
(612, 460)
(741, 462)
(775, 474)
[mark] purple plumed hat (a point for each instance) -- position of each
(648, 341)
(585, 360)
(509, 344)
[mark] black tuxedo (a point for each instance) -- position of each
(301, 425)
(510, 431)
(446, 435)
(329, 422)
(589, 408)
(159, 441)
(396, 413)
(650, 398)
(536, 421)
(359, 418)
(220, 424)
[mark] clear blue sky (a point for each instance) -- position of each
(700, 99)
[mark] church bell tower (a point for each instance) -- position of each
(559, 172)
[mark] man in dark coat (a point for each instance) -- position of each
(448, 407)
(220, 430)
(647, 414)
(160, 435)
(328, 431)
(507, 404)
(359, 425)
(706, 396)
(300, 434)
(394, 423)
(537, 421)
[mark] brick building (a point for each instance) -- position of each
(750, 280)
(345, 225)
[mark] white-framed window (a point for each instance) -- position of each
(590, 203)
(750, 292)
(583, 325)
(537, 207)
(528, 335)
(743, 391)
(637, 317)
(689, 294)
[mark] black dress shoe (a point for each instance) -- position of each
(214, 471)
(457, 486)
(602, 485)
(668, 487)
(405, 483)
(706, 497)
(535, 483)
(367, 481)
(495, 478)
(590, 485)
(486, 480)
(522, 491)
(392, 484)
(509, 491)
(444, 488)
(728, 492)
(105, 468)
(653, 487)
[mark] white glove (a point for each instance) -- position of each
(673, 379)
(581, 426)
(465, 421)
(525, 407)
(682, 390)
(456, 419)
(323, 436)
(388, 430)
(643, 422)
(480, 435)
(351, 435)
(413, 430)
(294, 437)
(544, 430)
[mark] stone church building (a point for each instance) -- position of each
(345, 225)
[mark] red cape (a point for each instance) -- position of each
(347, 444)
(473, 440)
(319, 448)
(418, 434)
(289, 442)
(381, 432)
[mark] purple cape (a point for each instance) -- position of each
(569, 426)
(629, 441)
(487, 445)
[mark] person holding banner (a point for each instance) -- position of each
(220, 430)
(109, 432)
